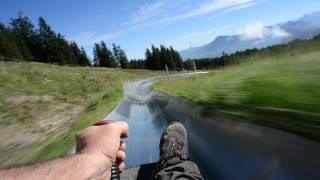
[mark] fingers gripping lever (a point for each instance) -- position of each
(115, 172)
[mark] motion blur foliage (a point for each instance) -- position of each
(247, 55)
(22, 42)
(43, 106)
(277, 86)
(157, 58)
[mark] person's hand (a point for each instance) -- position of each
(104, 142)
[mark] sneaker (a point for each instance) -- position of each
(173, 145)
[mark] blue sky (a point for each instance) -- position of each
(136, 24)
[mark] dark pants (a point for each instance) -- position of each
(172, 170)
(183, 170)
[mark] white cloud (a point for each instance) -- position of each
(89, 38)
(162, 12)
(247, 5)
(276, 32)
(147, 12)
(165, 11)
(258, 31)
(252, 31)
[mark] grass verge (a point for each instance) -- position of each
(42, 107)
(279, 91)
(96, 110)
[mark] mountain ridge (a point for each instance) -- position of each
(304, 27)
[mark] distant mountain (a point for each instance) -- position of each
(258, 36)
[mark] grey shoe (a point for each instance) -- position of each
(174, 145)
(174, 156)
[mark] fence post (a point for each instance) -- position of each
(167, 71)
(194, 66)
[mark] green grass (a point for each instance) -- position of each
(32, 94)
(279, 91)
(96, 110)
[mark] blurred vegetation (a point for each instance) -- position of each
(276, 87)
(32, 94)
(293, 47)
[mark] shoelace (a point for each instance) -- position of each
(174, 147)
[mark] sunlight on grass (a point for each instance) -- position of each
(47, 105)
(281, 92)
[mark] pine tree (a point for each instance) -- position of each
(176, 58)
(56, 48)
(45, 32)
(76, 53)
(163, 57)
(96, 55)
(148, 57)
(122, 57)
(116, 54)
(106, 58)
(83, 59)
(45, 36)
(22, 29)
(166, 58)
(103, 56)
(8, 46)
(156, 61)
(136, 64)
(158, 58)
(79, 55)
(59, 51)
(188, 64)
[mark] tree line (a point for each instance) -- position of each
(22, 41)
(157, 58)
(225, 59)
(103, 57)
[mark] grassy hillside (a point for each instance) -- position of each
(43, 106)
(280, 90)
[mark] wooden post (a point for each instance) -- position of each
(167, 71)
(194, 66)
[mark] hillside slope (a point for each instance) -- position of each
(43, 106)
(279, 89)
